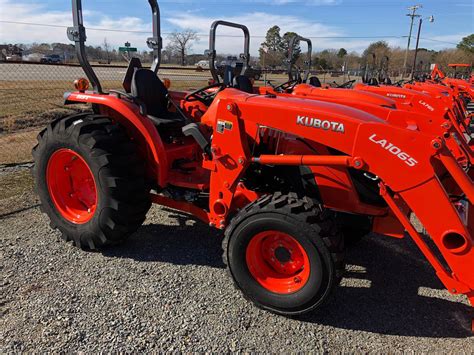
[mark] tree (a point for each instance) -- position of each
(467, 44)
(271, 51)
(181, 42)
(273, 39)
(342, 53)
(285, 45)
(447, 56)
(378, 51)
(107, 50)
(43, 48)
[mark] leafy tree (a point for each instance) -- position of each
(342, 53)
(273, 40)
(286, 47)
(467, 44)
(271, 51)
(181, 42)
(378, 50)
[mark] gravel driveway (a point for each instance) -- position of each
(167, 289)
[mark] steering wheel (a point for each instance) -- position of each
(347, 85)
(203, 96)
(289, 85)
(400, 83)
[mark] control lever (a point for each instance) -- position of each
(193, 130)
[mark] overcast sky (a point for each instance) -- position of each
(351, 24)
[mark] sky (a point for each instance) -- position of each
(350, 24)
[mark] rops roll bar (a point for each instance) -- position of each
(291, 47)
(77, 34)
(212, 47)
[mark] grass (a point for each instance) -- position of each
(27, 106)
(15, 184)
(16, 147)
(30, 98)
(16, 191)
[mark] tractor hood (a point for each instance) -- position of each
(343, 94)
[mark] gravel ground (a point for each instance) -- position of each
(167, 289)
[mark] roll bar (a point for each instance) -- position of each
(212, 46)
(77, 34)
(308, 62)
(155, 42)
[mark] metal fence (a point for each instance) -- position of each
(31, 96)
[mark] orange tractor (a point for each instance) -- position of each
(427, 112)
(284, 177)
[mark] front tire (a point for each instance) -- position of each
(285, 254)
(90, 180)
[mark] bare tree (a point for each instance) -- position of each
(181, 42)
(107, 49)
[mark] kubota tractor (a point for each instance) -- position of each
(273, 172)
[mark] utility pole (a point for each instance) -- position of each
(412, 15)
(413, 70)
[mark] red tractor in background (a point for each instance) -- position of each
(282, 175)
(426, 112)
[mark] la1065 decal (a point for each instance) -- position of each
(398, 152)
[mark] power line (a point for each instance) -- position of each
(438, 40)
(199, 34)
(222, 35)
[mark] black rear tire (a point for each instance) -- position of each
(311, 227)
(119, 174)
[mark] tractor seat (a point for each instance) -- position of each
(373, 82)
(152, 96)
(314, 81)
(243, 83)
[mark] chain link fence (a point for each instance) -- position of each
(31, 96)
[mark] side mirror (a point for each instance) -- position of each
(207, 52)
(242, 56)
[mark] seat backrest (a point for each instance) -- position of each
(133, 65)
(243, 83)
(373, 82)
(149, 89)
(314, 81)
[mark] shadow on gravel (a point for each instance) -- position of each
(392, 304)
(385, 301)
(179, 245)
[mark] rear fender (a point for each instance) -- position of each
(140, 128)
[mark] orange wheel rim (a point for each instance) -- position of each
(71, 186)
(278, 262)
